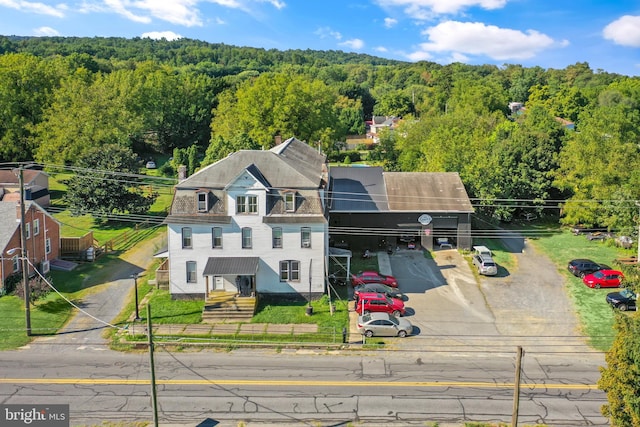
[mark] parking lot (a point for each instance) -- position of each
(452, 309)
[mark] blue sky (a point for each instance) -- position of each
(550, 34)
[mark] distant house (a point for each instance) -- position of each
(254, 222)
(43, 238)
(36, 186)
(378, 123)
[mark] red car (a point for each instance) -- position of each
(604, 279)
(370, 302)
(373, 277)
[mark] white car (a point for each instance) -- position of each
(151, 164)
(384, 325)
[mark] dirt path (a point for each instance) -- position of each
(97, 310)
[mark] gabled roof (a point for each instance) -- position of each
(370, 189)
(10, 177)
(292, 164)
(426, 191)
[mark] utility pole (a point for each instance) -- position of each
(516, 390)
(25, 264)
(154, 399)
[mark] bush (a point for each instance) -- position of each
(38, 288)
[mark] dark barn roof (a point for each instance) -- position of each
(370, 189)
(358, 189)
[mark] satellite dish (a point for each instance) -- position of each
(425, 219)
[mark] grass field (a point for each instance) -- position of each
(596, 317)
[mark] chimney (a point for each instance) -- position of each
(278, 139)
(182, 173)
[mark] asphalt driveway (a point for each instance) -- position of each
(453, 309)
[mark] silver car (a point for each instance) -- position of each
(384, 325)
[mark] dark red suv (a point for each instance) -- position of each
(365, 277)
(369, 302)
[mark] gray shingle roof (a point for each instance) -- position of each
(294, 165)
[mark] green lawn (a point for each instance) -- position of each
(596, 317)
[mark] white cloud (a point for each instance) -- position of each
(390, 22)
(476, 38)
(46, 31)
(179, 12)
(624, 31)
(426, 9)
(419, 55)
(324, 32)
(158, 35)
(381, 49)
(355, 44)
(35, 7)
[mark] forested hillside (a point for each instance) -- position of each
(61, 98)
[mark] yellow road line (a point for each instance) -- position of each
(461, 384)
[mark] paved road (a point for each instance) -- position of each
(301, 388)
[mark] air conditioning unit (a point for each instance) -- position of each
(306, 244)
(44, 267)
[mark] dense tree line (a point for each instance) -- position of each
(98, 103)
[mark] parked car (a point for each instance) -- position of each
(379, 288)
(482, 250)
(485, 265)
(369, 302)
(581, 267)
(384, 325)
(623, 300)
(151, 164)
(373, 277)
(604, 279)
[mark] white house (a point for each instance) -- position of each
(254, 222)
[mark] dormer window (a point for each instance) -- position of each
(290, 202)
(247, 204)
(203, 202)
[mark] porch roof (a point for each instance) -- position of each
(217, 266)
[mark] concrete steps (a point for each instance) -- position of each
(223, 306)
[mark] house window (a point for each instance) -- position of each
(290, 202)
(36, 227)
(289, 271)
(246, 238)
(276, 237)
(47, 245)
(191, 272)
(187, 241)
(305, 237)
(27, 227)
(16, 264)
(202, 202)
(247, 204)
(216, 237)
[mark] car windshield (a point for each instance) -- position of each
(388, 300)
(490, 264)
(366, 318)
(628, 294)
(394, 320)
(598, 274)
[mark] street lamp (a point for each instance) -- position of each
(135, 286)
(25, 284)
